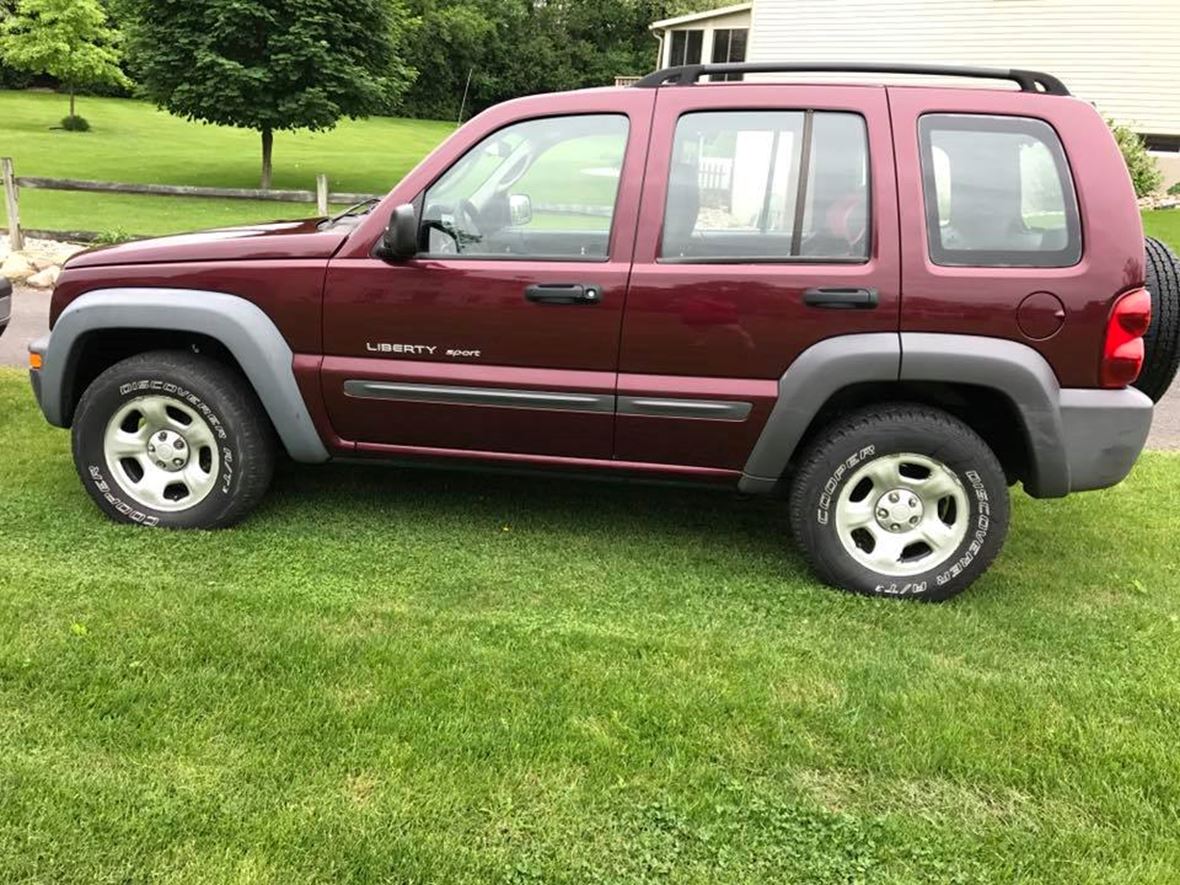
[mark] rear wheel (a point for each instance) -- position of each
(1161, 344)
(900, 500)
(173, 439)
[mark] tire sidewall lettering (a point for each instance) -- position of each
(108, 486)
(832, 485)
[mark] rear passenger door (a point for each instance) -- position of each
(993, 241)
(768, 223)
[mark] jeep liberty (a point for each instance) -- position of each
(890, 303)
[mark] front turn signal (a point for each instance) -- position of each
(35, 360)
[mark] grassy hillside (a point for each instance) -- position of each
(132, 141)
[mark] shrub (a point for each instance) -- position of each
(75, 124)
(1174, 190)
(113, 237)
(1145, 174)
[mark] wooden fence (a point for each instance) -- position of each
(12, 185)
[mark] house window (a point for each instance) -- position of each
(729, 45)
(686, 47)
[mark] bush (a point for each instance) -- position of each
(1145, 174)
(113, 237)
(75, 124)
(1174, 190)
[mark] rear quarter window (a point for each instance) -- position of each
(998, 192)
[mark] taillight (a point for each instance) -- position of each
(1122, 352)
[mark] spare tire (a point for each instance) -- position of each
(1161, 344)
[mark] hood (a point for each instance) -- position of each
(283, 239)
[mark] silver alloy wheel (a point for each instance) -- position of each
(901, 515)
(163, 454)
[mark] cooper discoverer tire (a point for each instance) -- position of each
(173, 439)
(1161, 344)
(899, 500)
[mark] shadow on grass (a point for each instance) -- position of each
(597, 510)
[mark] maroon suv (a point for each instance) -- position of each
(890, 302)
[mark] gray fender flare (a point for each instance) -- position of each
(1052, 419)
(1013, 369)
(239, 325)
(810, 381)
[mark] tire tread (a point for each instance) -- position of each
(1161, 344)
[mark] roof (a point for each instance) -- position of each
(699, 16)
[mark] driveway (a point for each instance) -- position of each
(30, 320)
(30, 312)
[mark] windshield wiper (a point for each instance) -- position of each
(354, 208)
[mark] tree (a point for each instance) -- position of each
(270, 65)
(67, 39)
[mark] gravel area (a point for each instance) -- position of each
(30, 313)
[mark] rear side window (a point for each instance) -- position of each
(998, 193)
(758, 186)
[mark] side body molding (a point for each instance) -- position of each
(239, 325)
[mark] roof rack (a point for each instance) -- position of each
(684, 75)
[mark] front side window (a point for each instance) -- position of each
(543, 188)
(768, 186)
(998, 193)
(686, 47)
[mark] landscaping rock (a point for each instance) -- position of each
(17, 268)
(39, 262)
(44, 279)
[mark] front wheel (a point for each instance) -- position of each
(900, 500)
(173, 439)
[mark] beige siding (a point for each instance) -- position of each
(1122, 56)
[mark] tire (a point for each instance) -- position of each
(859, 499)
(174, 440)
(1161, 344)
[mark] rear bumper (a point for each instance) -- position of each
(1102, 434)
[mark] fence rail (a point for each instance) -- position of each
(13, 183)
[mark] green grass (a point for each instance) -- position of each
(132, 141)
(431, 676)
(1165, 225)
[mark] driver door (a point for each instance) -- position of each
(502, 334)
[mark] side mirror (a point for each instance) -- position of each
(520, 209)
(400, 240)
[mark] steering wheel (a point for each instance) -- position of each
(470, 223)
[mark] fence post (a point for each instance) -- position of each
(15, 238)
(321, 194)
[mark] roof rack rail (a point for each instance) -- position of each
(684, 75)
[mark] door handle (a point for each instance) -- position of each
(841, 298)
(564, 293)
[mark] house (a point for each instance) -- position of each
(1121, 56)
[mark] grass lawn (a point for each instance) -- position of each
(417, 676)
(1164, 224)
(132, 141)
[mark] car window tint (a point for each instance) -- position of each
(542, 188)
(767, 186)
(998, 193)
